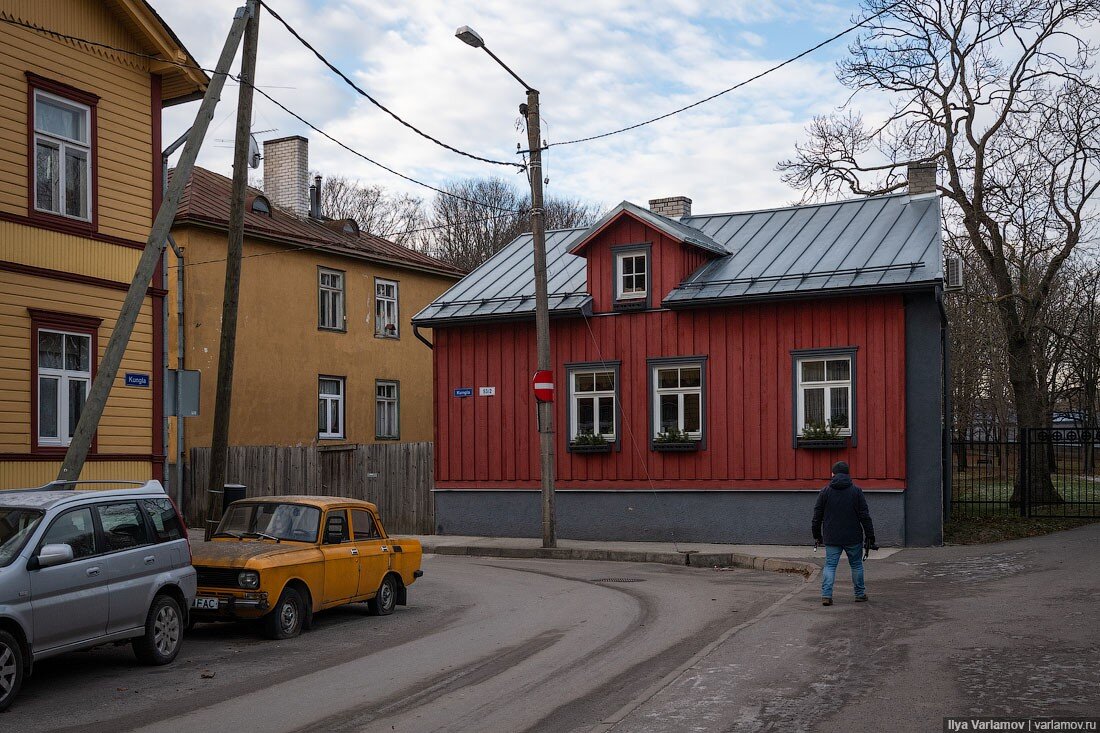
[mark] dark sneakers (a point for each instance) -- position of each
(828, 601)
(861, 599)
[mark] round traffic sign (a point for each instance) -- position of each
(543, 384)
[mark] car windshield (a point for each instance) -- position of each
(16, 527)
(275, 521)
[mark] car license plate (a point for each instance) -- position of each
(206, 604)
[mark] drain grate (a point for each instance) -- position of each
(618, 580)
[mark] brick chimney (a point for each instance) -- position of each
(922, 178)
(674, 207)
(286, 173)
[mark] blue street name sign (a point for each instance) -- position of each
(464, 392)
(134, 379)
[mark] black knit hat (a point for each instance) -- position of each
(840, 467)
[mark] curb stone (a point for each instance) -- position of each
(690, 559)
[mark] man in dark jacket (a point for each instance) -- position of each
(843, 522)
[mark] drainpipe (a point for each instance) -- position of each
(177, 482)
(945, 346)
(420, 337)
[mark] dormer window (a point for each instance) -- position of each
(261, 205)
(632, 276)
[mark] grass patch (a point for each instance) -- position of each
(980, 530)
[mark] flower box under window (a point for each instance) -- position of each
(679, 446)
(590, 447)
(822, 443)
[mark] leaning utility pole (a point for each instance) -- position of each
(542, 316)
(223, 399)
(124, 326)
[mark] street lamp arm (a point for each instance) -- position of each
(515, 76)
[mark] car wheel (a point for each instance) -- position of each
(163, 635)
(285, 620)
(385, 600)
(11, 669)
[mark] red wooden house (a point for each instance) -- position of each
(709, 370)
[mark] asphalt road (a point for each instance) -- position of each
(1011, 629)
(485, 645)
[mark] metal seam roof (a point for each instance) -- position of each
(871, 243)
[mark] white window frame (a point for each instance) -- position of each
(330, 301)
(621, 293)
(384, 302)
(594, 396)
(64, 378)
(384, 404)
(658, 392)
(828, 385)
(326, 402)
(62, 144)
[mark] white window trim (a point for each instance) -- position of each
(64, 377)
(575, 399)
(338, 293)
(828, 385)
(329, 399)
(619, 257)
(379, 327)
(381, 403)
(62, 142)
(658, 392)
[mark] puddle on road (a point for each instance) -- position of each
(973, 569)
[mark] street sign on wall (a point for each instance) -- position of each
(464, 391)
(135, 379)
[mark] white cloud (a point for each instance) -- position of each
(599, 65)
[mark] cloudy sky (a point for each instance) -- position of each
(599, 64)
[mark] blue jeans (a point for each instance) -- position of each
(832, 559)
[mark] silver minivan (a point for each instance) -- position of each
(80, 568)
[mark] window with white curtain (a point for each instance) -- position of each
(330, 407)
(62, 156)
(64, 377)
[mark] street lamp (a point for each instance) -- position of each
(545, 414)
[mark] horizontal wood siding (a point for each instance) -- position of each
(127, 420)
(125, 145)
(491, 442)
(29, 474)
(28, 245)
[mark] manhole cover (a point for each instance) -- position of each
(618, 580)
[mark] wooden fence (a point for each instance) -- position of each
(398, 477)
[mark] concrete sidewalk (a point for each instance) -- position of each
(785, 558)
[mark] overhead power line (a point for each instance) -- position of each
(384, 167)
(280, 105)
(736, 86)
(374, 101)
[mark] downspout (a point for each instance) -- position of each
(177, 483)
(945, 352)
(420, 337)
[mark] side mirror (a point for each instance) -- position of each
(51, 555)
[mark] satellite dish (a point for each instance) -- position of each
(253, 152)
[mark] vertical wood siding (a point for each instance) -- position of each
(491, 442)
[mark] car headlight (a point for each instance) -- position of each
(249, 579)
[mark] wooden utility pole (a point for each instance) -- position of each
(542, 316)
(107, 369)
(223, 400)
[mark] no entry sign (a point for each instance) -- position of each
(543, 384)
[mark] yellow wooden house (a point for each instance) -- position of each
(82, 86)
(326, 351)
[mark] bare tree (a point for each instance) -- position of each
(394, 216)
(1000, 93)
(484, 214)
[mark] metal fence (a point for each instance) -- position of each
(398, 477)
(1033, 472)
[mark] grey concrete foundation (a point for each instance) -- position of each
(736, 517)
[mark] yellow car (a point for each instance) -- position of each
(282, 558)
